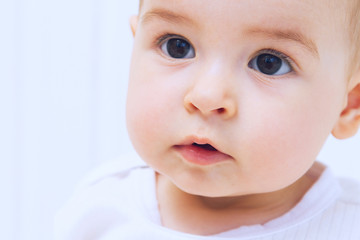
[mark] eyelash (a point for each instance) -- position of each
(163, 37)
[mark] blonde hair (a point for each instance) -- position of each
(140, 4)
(354, 34)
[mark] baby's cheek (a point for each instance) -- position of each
(147, 120)
(143, 120)
(279, 152)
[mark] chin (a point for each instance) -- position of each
(203, 189)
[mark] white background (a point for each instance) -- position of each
(63, 79)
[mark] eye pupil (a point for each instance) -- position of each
(178, 48)
(268, 64)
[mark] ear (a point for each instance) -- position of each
(133, 24)
(349, 120)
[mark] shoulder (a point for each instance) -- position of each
(119, 168)
(350, 191)
(108, 195)
(101, 182)
(344, 215)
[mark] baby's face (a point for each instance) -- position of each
(234, 97)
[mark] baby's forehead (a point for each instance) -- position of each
(309, 15)
(273, 8)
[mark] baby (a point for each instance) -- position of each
(229, 103)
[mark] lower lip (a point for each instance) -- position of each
(201, 156)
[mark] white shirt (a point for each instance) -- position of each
(116, 203)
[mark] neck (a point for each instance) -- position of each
(207, 216)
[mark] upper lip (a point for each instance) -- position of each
(198, 140)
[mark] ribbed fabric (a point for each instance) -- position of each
(117, 204)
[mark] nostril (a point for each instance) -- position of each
(225, 107)
(221, 110)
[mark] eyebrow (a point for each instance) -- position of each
(165, 15)
(288, 35)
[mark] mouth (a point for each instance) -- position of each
(207, 146)
(201, 153)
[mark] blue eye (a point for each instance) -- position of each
(178, 48)
(270, 64)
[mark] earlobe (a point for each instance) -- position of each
(133, 24)
(347, 125)
(349, 120)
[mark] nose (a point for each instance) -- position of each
(212, 92)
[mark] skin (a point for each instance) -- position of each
(270, 127)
